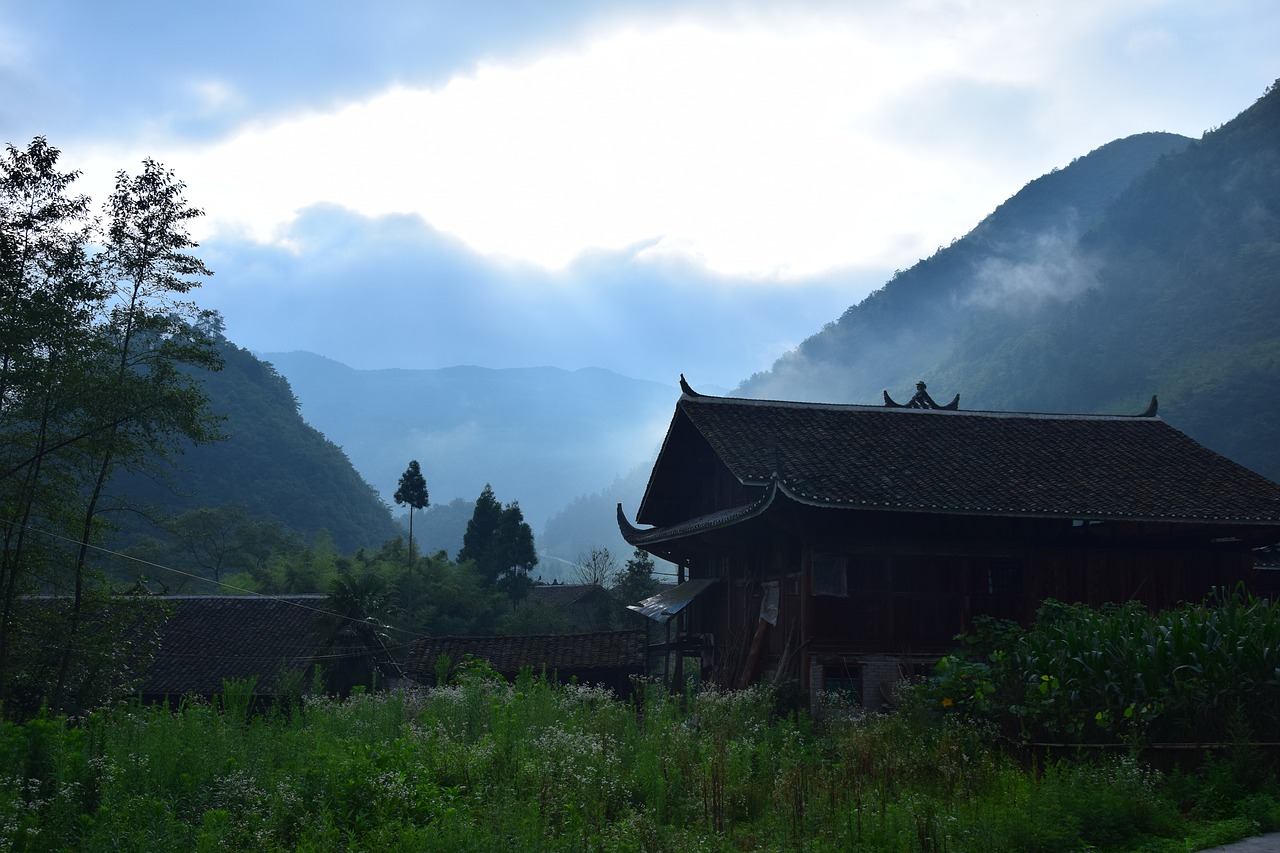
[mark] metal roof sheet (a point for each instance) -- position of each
(661, 607)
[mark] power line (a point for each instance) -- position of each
(240, 590)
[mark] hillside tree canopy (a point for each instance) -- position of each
(94, 339)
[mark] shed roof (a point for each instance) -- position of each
(564, 594)
(553, 652)
(671, 600)
(208, 638)
(963, 462)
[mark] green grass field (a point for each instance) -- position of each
(482, 765)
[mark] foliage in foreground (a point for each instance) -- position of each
(483, 765)
(1203, 673)
(97, 339)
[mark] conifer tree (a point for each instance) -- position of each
(500, 544)
(412, 490)
(482, 529)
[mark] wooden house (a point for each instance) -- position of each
(847, 545)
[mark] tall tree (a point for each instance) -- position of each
(500, 544)
(48, 301)
(92, 340)
(412, 490)
(146, 336)
(516, 554)
(482, 529)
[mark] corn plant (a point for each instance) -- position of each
(1207, 672)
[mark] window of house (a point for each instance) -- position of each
(830, 575)
(1004, 576)
(844, 681)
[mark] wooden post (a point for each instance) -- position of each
(753, 656)
(678, 676)
(806, 612)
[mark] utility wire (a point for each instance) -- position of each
(223, 584)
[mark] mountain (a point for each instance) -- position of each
(1185, 285)
(1150, 266)
(540, 436)
(271, 463)
(589, 522)
(904, 329)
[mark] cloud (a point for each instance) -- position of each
(754, 151)
(1049, 269)
(213, 95)
(756, 145)
(374, 292)
(647, 186)
(116, 66)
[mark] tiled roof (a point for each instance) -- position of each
(209, 638)
(971, 462)
(563, 594)
(691, 527)
(560, 652)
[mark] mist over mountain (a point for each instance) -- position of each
(590, 521)
(540, 436)
(1150, 266)
(1019, 259)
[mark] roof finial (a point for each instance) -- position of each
(921, 400)
(686, 389)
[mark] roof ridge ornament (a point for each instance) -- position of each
(1151, 409)
(921, 400)
(687, 389)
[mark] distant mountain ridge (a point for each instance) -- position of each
(541, 436)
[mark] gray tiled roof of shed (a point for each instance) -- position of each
(564, 594)
(553, 652)
(208, 638)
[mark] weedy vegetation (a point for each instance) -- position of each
(480, 764)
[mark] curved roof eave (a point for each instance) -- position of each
(1006, 512)
(775, 487)
(719, 520)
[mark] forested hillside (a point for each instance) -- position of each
(1017, 255)
(590, 521)
(271, 463)
(1150, 266)
(1185, 287)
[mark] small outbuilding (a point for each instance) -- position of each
(607, 658)
(208, 639)
(588, 606)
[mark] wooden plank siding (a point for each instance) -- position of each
(915, 604)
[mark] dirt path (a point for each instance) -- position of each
(1269, 843)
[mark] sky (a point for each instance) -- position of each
(649, 187)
